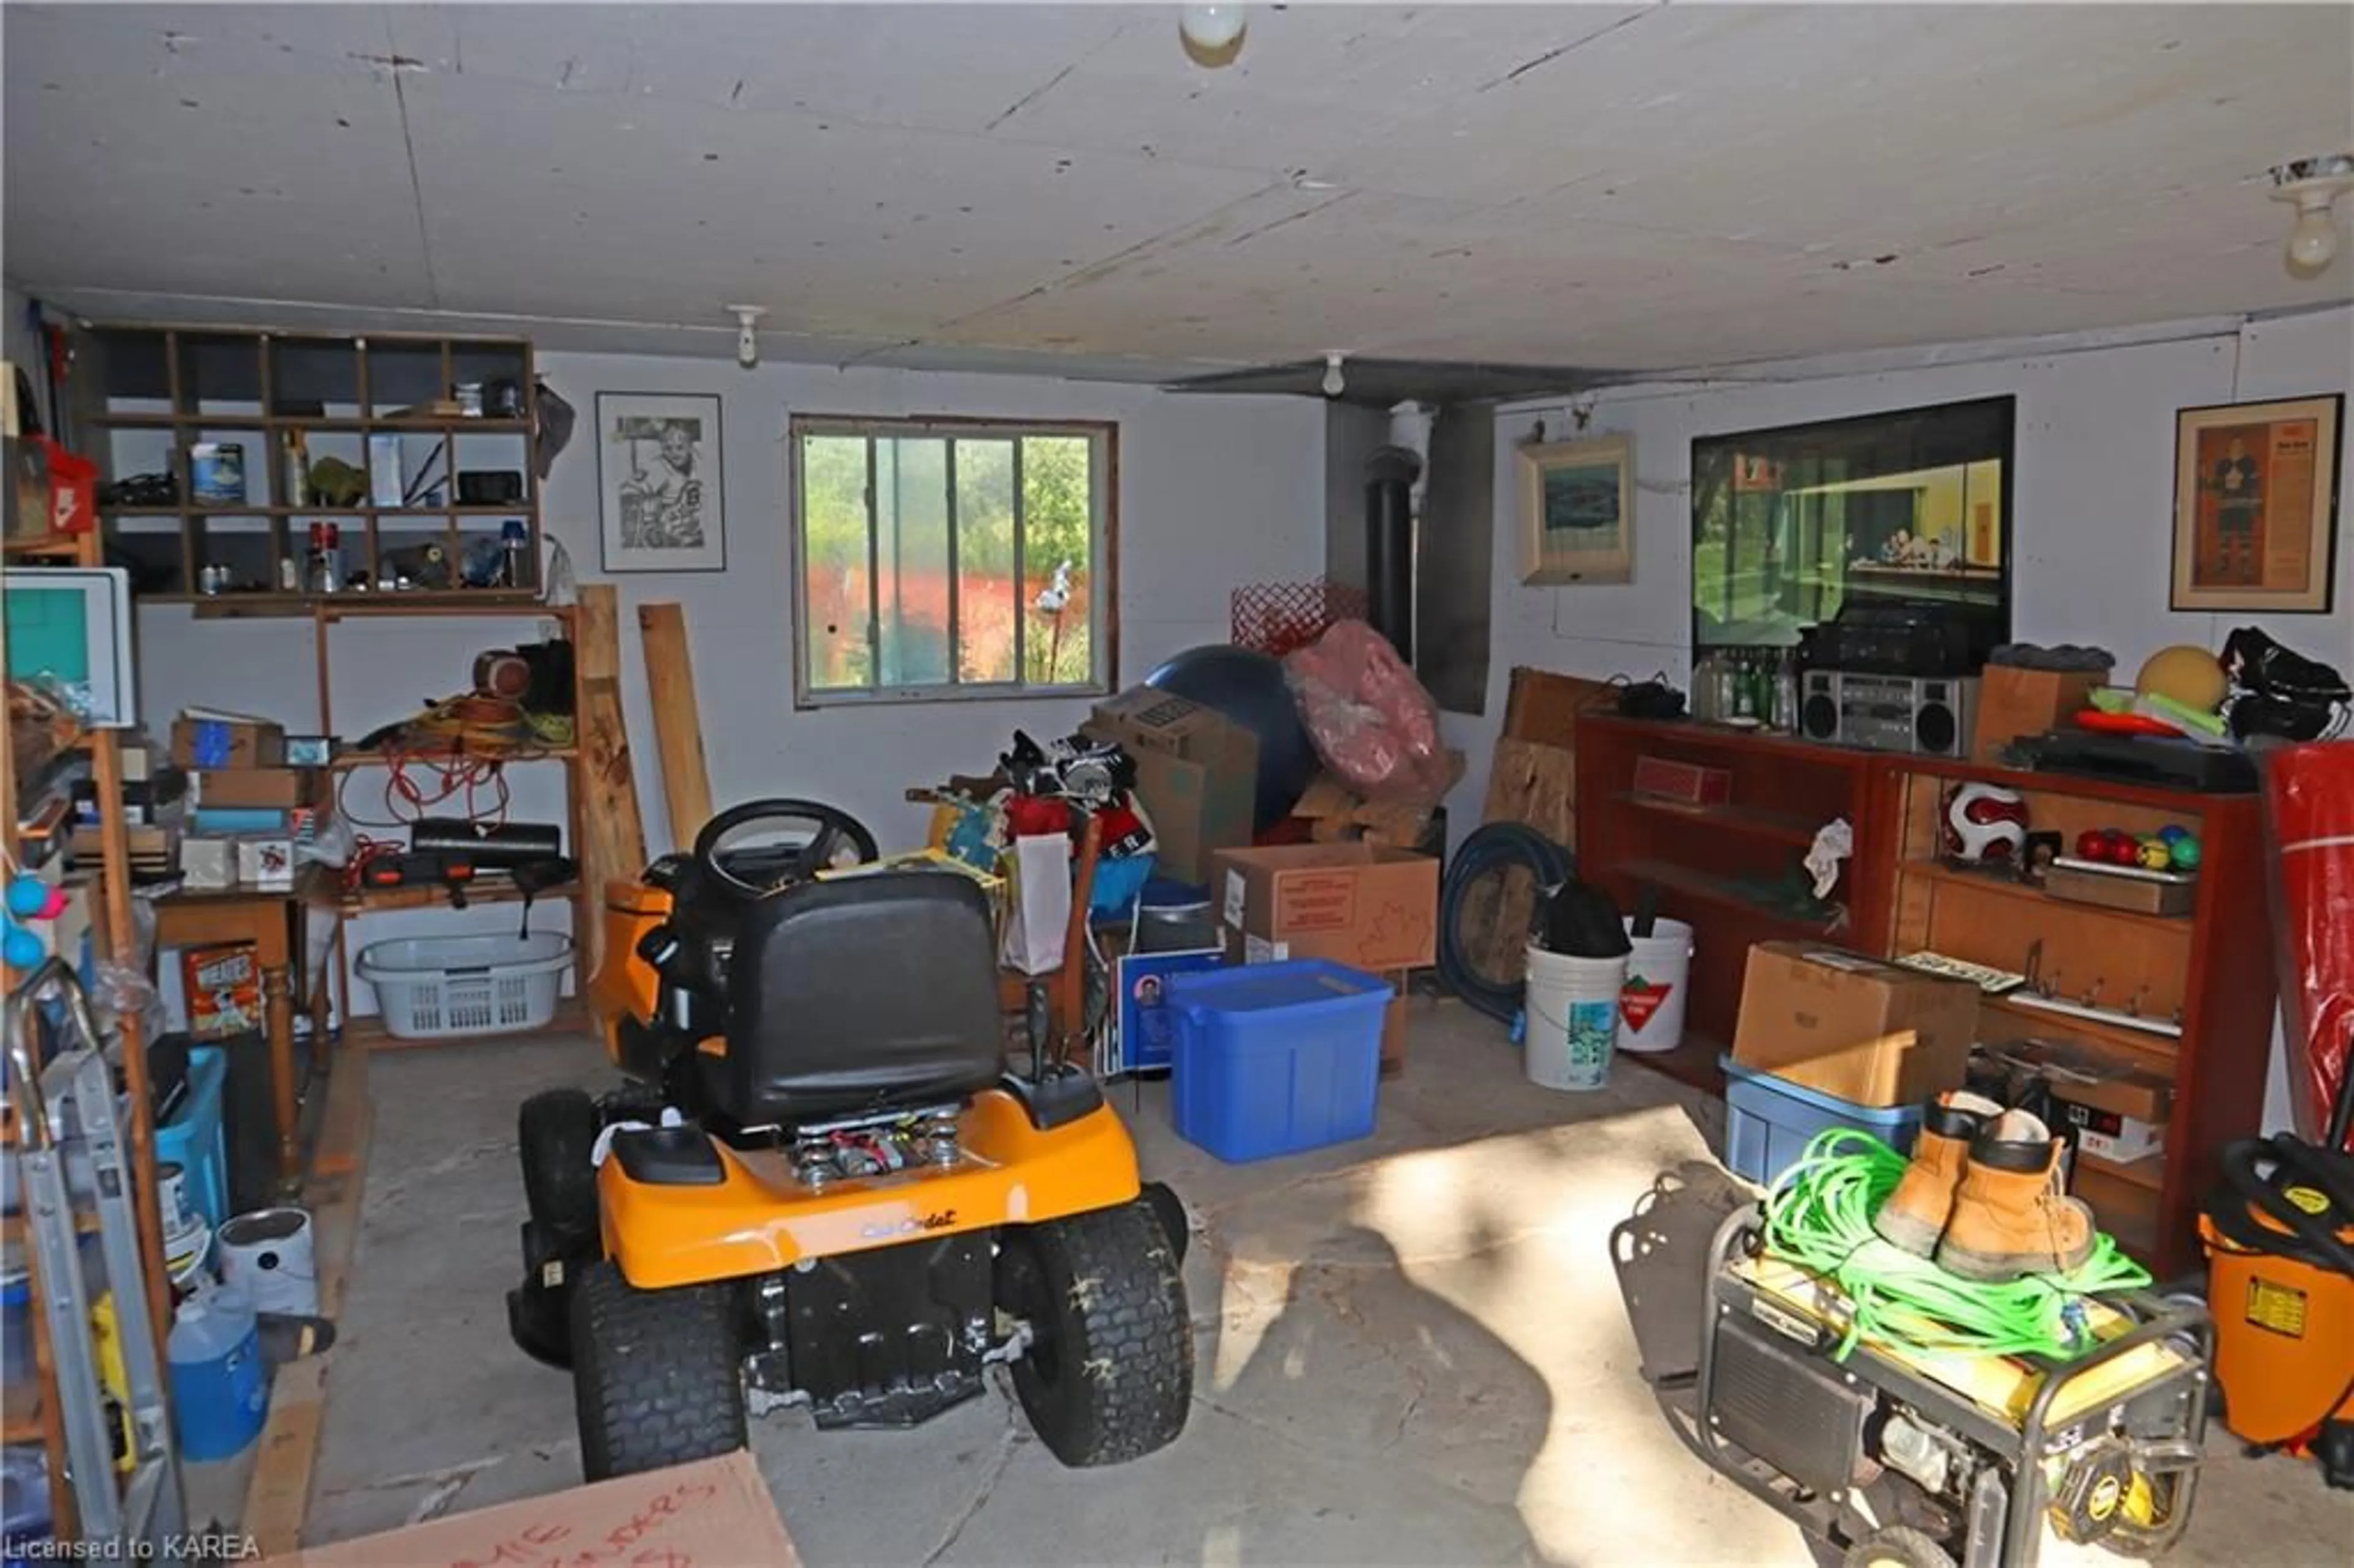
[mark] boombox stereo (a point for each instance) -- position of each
(1925, 714)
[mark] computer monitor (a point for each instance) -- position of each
(70, 627)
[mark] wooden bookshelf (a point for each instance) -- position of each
(1725, 870)
(145, 396)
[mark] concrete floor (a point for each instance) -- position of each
(1412, 1349)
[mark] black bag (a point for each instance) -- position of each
(2279, 693)
(1580, 920)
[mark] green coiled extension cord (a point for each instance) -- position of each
(1818, 1215)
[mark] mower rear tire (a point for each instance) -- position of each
(1108, 1376)
(1897, 1546)
(656, 1374)
(556, 1132)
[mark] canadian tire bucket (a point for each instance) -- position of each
(1573, 1025)
(1658, 981)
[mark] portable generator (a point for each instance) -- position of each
(2280, 1248)
(1923, 1458)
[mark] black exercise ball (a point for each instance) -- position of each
(1248, 688)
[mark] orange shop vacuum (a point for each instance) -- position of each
(2280, 1283)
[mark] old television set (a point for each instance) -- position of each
(1911, 508)
(68, 628)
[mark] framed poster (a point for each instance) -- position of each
(1577, 512)
(659, 478)
(2255, 505)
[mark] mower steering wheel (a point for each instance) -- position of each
(757, 871)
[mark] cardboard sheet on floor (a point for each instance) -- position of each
(714, 1513)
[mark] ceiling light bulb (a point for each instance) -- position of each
(2313, 185)
(748, 342)
(1334, 382)
(2314, 240)
(1213, 35)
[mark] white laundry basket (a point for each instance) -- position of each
(441, 988)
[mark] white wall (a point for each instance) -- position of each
(1214, 491)
(2092, 509)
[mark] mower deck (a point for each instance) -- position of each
(747, 1212)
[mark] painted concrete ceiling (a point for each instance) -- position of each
(997, 186)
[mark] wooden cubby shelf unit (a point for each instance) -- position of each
(145, 396)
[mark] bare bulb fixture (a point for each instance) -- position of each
(747, 341)
(1334, 383)
(1213, 35)
(2313, 185)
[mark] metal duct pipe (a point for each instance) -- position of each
(1390, 476)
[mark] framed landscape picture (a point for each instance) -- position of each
(1578, 511)
(2255, 505)
(659, 467)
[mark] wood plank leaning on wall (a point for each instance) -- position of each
(678, 722)
(614, 845)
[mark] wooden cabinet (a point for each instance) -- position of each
(2187, 997)
(237, 444)
(1733, 871)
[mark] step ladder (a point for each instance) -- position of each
(73, 1097)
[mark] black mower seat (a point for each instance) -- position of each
(861, 994)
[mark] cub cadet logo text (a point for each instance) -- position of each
(909, 1226)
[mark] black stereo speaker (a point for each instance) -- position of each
(1927, 716)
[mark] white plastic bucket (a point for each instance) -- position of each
(1572, 1005)
(267, 1255)
(1659, 982)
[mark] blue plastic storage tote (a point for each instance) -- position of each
(1768, 1121)
(1274, 1058)
(194, 1140)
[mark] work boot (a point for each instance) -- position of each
(2009, 1218)
(1915, 1216)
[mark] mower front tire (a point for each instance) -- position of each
(1108, 1376)
(555, 1133)
(656, 1374)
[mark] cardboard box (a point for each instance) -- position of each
(1337, 814)
(711, 1511)
(2013, 702)
(266, 862)
(1197, 772)
(2121, 887)
(2119, 1110)
(1678, 783)
(1367, 905)
(208, 863)
(222, 984)
(276, 788)
(202, 737)
(1395, 1023)
(1857, 1027)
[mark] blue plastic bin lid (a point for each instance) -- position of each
(1264, 988)
(1165, 893)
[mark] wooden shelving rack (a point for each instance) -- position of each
(145, 395)
(1726, 869)
(349, 905)
(42, 1420)
(2207, 973)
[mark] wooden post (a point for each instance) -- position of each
(678, 722)
(614, 844)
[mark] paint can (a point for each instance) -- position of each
(172, 1196)
(1572, 1008)
(267, 1254)
(216, 473)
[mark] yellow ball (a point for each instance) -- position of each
(2184, 674)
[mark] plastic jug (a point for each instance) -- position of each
(221, 1388)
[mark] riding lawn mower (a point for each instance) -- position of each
(822, 1185)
